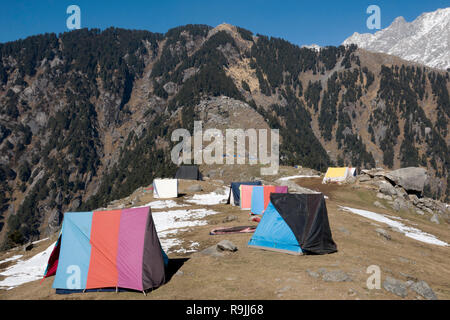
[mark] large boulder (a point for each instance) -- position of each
(387, 188)
(411, 178)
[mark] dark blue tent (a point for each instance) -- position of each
(235, 195)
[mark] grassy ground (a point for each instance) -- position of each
(257, 274)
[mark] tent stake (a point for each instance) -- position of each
(117, 289)
(143, 291)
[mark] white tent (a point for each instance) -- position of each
(165, 188)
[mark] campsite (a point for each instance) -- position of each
(211, 150)
(226, 266)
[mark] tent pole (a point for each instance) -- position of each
(117, 289)
(143, 291)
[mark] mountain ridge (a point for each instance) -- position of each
(86, 116)
(424, 40)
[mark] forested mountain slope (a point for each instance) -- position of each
(86, 116)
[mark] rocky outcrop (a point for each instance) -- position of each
(54, 221)
(403, 190)
(411, 179)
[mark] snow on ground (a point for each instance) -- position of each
(36, 242)
(26, 270)
(162, 204)
(12, 258)
(169, 223)
(209, 199)
(192, 248)
(410, 232)
(295, 177)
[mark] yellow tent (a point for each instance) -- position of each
(337, 174)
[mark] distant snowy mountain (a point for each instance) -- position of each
(313, 46)
(425, 40)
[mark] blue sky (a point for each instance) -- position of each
(301, 22)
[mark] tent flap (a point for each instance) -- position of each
(307, 216)
(295, 223)
(188, 173)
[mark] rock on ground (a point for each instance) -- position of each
(435, 219)
(395, 286)
(379, 205)
(218, 249)
(227, 245)
(387, 188)
(422, 288)
(229, 218)
(332, 276)
(383, 233)
(212, 251)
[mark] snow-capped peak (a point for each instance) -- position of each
(425, 40)
(313, 46)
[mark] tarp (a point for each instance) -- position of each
(336, 174)
(295, 223)
(116, 248)
(188, 173)
(232, 230)
(165, 188)
(234, 195)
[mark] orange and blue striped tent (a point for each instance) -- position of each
(261, 197)
(246, 196)
(108, 249)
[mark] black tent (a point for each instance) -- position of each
(296, 224)
(188, 173)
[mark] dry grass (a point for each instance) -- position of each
(257, 274)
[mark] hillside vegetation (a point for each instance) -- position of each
(86, 116)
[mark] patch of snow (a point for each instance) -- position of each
(37, 241)
(169, 223)
(162, 204)
(410, 232)
(192, 248)
(295, 177)
(313, 46)
(209, 199)
(194, 245)
(27, 270)
(12, 258)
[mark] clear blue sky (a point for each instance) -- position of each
(301, 22)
